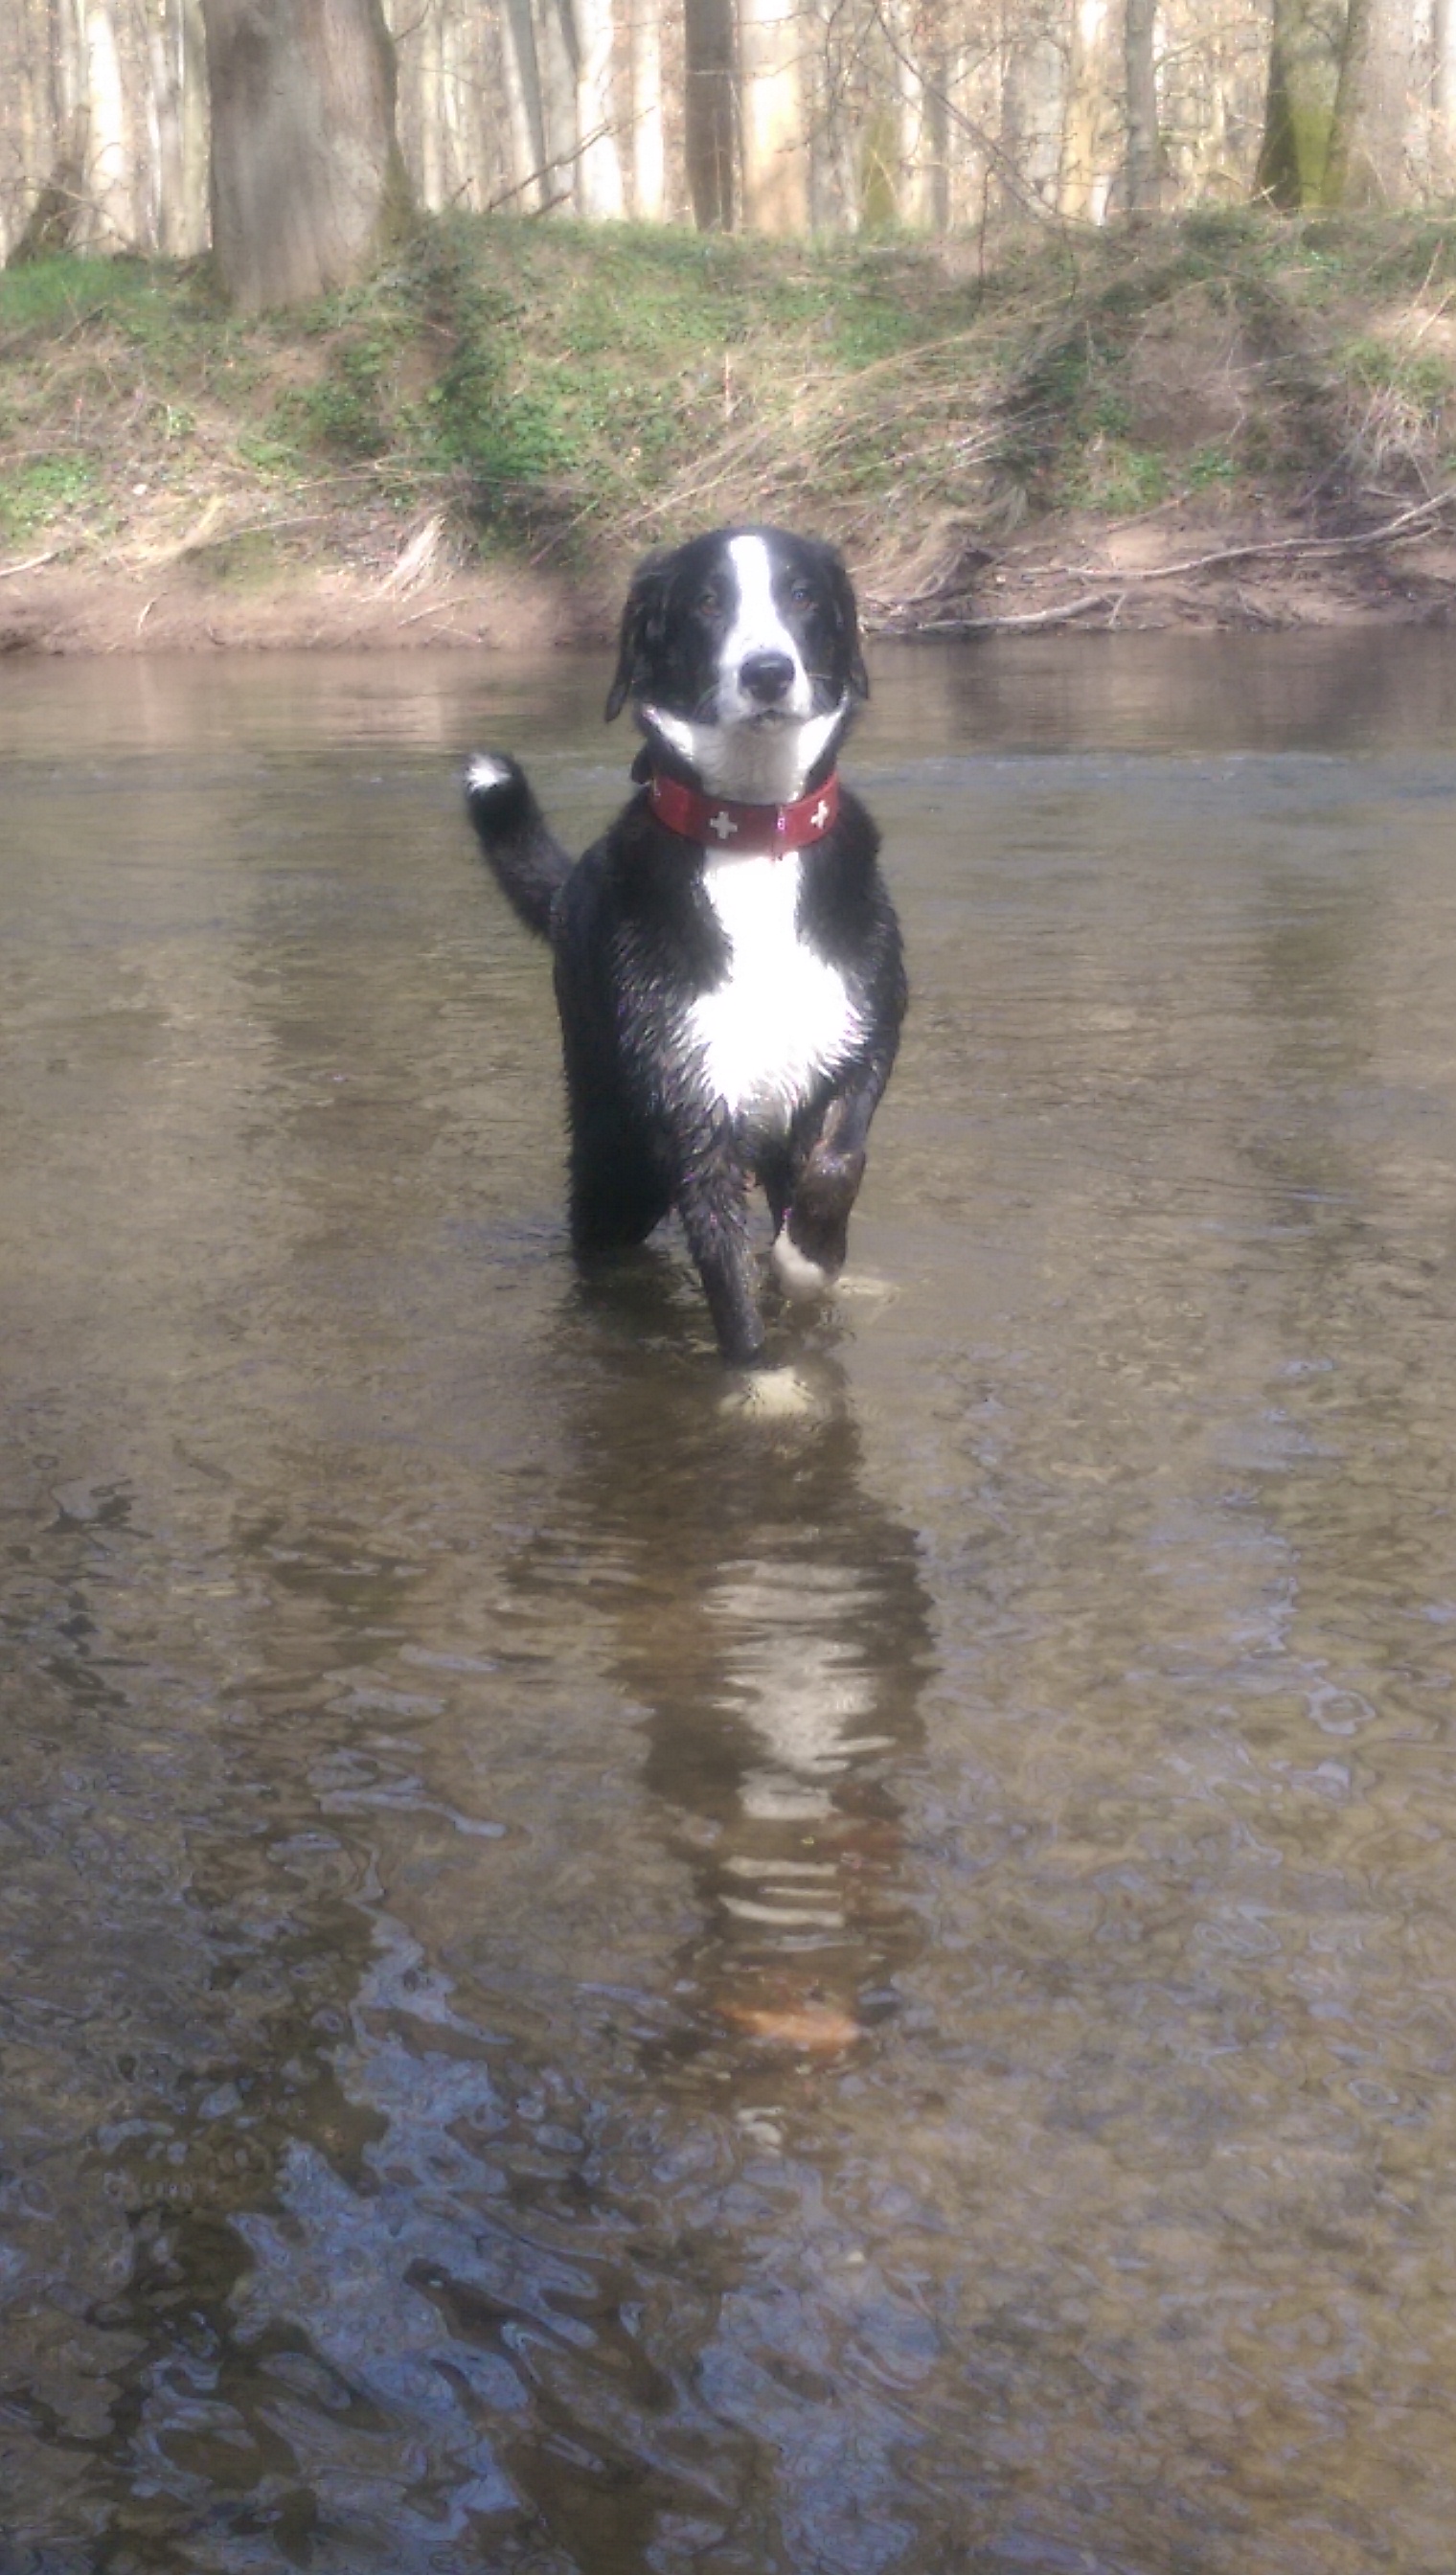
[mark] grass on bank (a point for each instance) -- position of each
(545, 389)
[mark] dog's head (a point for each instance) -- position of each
(740, 653)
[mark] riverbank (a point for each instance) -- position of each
(1224, 419)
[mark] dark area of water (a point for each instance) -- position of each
(594, 1982)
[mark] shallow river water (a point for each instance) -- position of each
(598, 1983)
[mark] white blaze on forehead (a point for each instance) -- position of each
(732, 743)
(757, 626)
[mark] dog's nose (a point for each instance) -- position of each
(767, 677)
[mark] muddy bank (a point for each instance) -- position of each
(330, 608)
(1224, 419)
(1173, 569)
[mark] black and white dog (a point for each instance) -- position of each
(728, 962)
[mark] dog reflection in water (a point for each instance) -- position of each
(767, 1612)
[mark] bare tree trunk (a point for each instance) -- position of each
(176, 44)
(1145, 158)
(708, 32)
(524, 117)
(463, 162)
(430, 107)
(555, 63)
(307, 180)
(1088, 132)
(598, 169)
(1369, 161)
(648, 154)
(59, 216)
(1214, 153)
(1443, 95)
(914, 193)
(1299, 107)
(194, 221)
(936, 144)
(109, 158)
(775, 158)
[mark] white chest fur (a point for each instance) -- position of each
(782, 1015)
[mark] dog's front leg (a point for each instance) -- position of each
(713, 1200)
(812, 1242)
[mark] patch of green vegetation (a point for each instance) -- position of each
(600, 387)
(1208, 467)
(1117, 479)
(53, 292)
(248, 561)
(1225, 232)
(348, 412)
(153, 310)
(37, 494)
(275, 456)
(1420, 377)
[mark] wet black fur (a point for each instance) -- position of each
(636, 940)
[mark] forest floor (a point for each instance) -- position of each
(1223, 418)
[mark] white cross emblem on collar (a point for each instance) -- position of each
(722, 824)
(820, 814)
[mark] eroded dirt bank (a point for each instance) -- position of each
(1225, 419)
(1166, 569)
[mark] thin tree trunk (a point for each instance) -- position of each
(708, 32)
(524, 115)
(308, 185)
(599, 171)
(461, 163)
(110, 161)
(429, 119)
(775, 159)
(1145, 158)
(1086, 160)
(648, 154)
(193, 227)
(179, 90)
(1298, 109)
(913, 197)
(1443, 95)
(1368, 159)
(556, 61)
(935, 145)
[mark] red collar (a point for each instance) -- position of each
(745, 831)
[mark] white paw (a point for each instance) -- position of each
(796, 1274)
(773, 1394)
(485, 771)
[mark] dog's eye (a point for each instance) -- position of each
(800, 596)
(709, 601)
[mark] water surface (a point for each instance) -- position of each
(597, 1983)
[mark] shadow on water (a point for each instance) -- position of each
(595, 1981)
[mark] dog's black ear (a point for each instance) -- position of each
(846, 620)
(643, 626)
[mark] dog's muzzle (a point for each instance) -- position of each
(767, 677)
